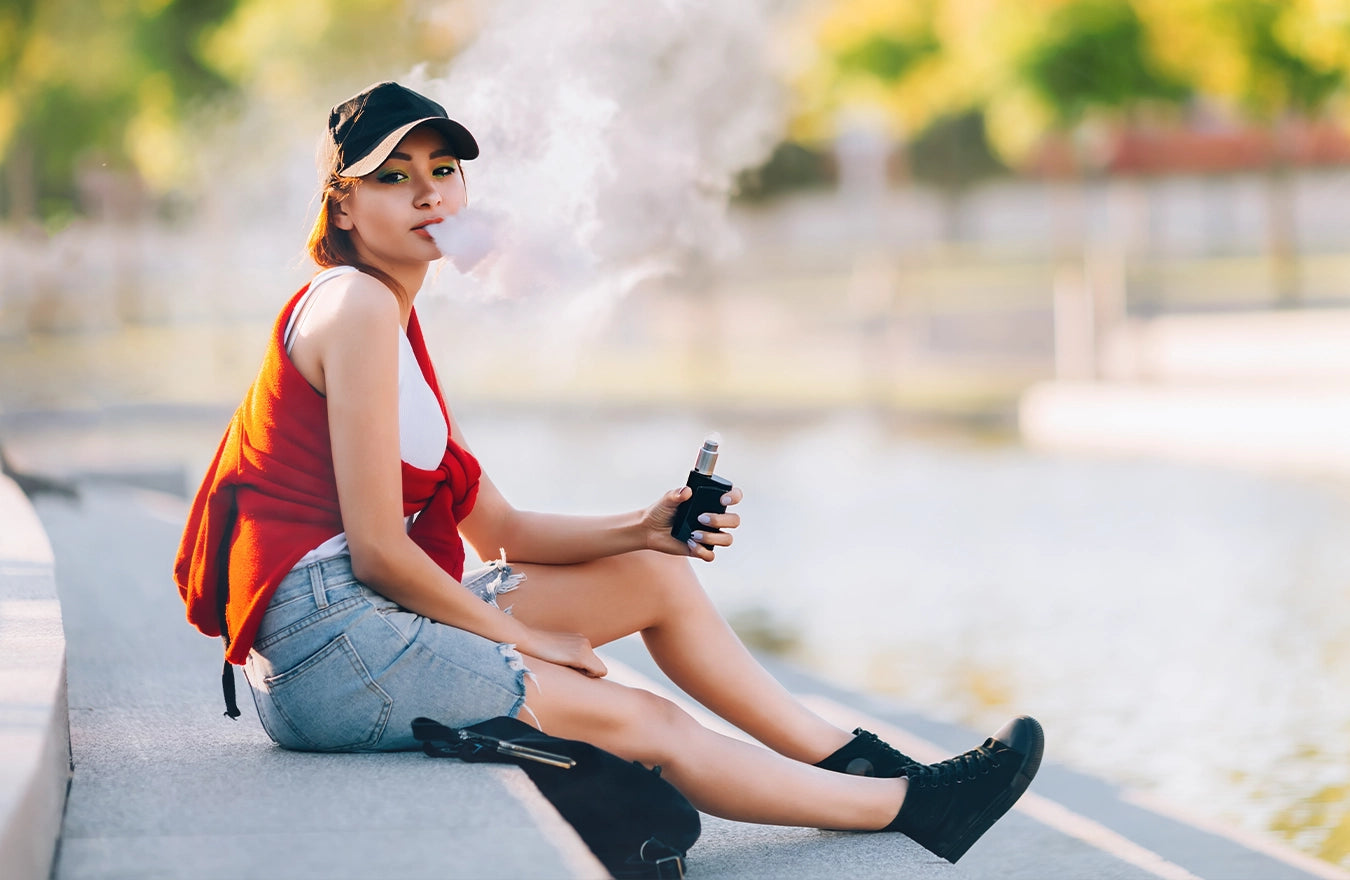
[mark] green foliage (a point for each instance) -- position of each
(887, 56)
(119, 83)
(954, 153)
(124, 85)
(1279, 76)
(171, 40)
(64, 126)
(1095, 55)
(1032, 67)
(792, 167)
(97, 88)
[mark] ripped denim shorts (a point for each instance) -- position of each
(337, 667)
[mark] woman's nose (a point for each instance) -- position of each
(428, 195)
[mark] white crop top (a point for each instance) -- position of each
(421, 425)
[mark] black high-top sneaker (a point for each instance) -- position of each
(868, 755)
(951, 803)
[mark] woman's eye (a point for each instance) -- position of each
(445, 171)
(392, 177)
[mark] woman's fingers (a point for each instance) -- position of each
(720, 520)
(698, 551)
(717, 539)
(565, 649)
(592, 666)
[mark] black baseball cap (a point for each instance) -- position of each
(364, 129)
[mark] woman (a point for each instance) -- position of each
(325, 548)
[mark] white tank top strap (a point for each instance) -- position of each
(303, 306)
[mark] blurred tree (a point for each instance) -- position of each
(953, 155)
(327, 46)
(16, 22)
(871, 53)
(106, 89)
(1087, 69)
(1080, 69)
(1093, 56)
(121, 86)
(1030, 67)
(1279, 63)
(790, 168)
(894, 57)
(1268, 57)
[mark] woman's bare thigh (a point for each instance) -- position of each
(604, 600)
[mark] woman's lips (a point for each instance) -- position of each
(421, 228)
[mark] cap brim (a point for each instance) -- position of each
(463, 144)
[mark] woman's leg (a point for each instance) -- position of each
(659, 596)
(720, 775)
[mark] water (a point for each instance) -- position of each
(1184, 631)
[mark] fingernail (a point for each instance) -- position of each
(696, 537)
(705, 518)
(725, 500)
(692, 546)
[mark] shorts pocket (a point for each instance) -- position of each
(330, 702)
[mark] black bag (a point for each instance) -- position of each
(635, 822)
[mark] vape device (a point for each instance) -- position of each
(708, 491)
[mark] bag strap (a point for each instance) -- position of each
(222, 601)
(440, 741)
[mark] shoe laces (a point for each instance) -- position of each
(873, 741)
(964, 767)
(877, 757)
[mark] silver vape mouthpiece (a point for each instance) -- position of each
(707, 456)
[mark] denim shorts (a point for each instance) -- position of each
(336, 667)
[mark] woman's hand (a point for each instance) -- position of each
(658, 519)
(564, 649)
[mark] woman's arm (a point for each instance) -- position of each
(351, 350)
(560, 539)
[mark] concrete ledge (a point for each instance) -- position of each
(34, 723)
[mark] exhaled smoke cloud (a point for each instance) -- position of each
(611, 134)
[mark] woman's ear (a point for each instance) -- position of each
(339, 216)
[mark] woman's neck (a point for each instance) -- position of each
(409, 276)
(410, 284)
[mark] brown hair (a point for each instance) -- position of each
(329, 246)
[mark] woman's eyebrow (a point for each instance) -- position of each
(438, 154)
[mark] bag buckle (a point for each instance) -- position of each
(515, 750)
(667, 867)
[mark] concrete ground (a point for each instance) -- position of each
(165, 787)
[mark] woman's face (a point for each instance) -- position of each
(388, 211)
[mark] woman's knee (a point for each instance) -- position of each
(637, 714)
(633, 723)
(659, 713)
(652, 730)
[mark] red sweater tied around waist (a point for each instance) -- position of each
(269, 497)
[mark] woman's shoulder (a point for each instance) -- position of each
(353, 296)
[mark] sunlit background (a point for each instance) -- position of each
(1025, 323)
